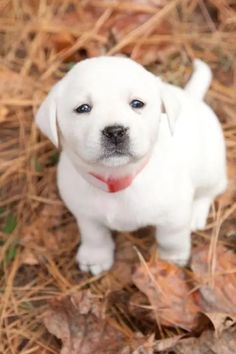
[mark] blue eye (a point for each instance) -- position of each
(84, 108)
(137, 104)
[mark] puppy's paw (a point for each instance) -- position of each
(95, 260)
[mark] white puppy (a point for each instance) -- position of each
(135, 152)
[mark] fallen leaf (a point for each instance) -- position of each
(140, 344)
(28, 257)
(121, 274)
(178, 297)
(208, 342)
(146, 347)
(220, 321)
(228, 197)
(169, 292)
(167, 343)
(79, 322)
(217, 291)
(126, 258)
(139, 307)
(81, 21)
(123, 21)
(62, 41)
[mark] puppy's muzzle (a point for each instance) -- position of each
(115, 135)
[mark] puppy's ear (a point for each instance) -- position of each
(170, 106)
(46, 117)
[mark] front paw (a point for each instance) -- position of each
(95, 259)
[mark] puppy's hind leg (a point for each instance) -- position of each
(202, 204)
(200, 211)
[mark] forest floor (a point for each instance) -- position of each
(144, 305)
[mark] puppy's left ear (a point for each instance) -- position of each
(170, 105)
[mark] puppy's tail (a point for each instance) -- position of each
(200, 79)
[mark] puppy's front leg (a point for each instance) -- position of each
(174, 243)
(96, 252)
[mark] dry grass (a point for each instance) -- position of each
(40, 40)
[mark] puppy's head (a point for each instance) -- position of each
(106, 112)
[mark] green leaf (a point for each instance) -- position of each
(38, 166)
(70, 65)
(27, 305)
(10, 224)
(225, 62)
(54, 158)
(1, 211)
(11, 252)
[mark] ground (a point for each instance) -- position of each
(143, 305)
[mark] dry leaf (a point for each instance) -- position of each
(81, 21)
(28, 257)
(168, 290)
(34, 235)
(62, 40)
(208, 343)
(140, 344)
(229, 196)
(170, 293)
(167, 343)
(220, 321)
(79, 322)
(217, 290)
(121, 273)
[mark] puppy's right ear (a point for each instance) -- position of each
(46, 117)
(170, 106)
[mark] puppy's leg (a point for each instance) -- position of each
(201, 205)
(96, 252)
(174, 243)
(200, 213)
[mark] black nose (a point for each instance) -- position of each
(116, 134)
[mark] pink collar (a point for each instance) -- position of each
(113, 184)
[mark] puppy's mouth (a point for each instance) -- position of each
(116, 157)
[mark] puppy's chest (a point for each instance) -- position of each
(125, 214)
(124, 218)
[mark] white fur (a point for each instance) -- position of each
(185, 149)
(200, 80)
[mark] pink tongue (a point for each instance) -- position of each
(115, 184)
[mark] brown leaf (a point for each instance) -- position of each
(146, 347)
(167, 343)
(81, 21)
(121, 273)
(217, 290)
(79, 322)
(62, 41)
(168, 290)
(140, 344)
(123, 22)
(220, 321)
(28, 257)
(229, 196)
(170, 293)
(208, 343)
